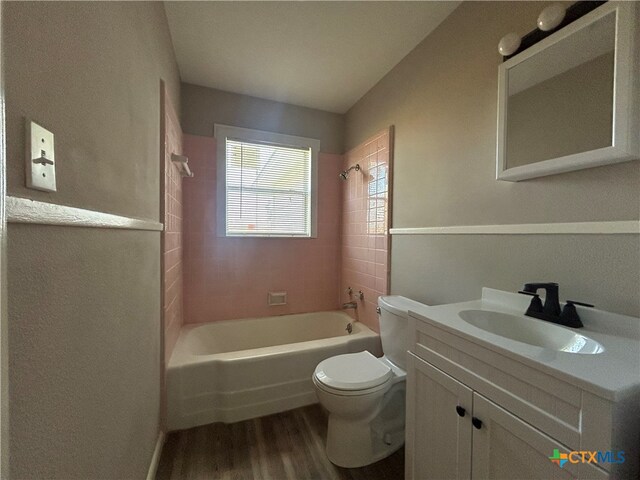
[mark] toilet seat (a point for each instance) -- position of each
(352, 393)
(352, 374)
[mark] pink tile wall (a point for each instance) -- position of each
(172, 279)
(365, 226)
(228, 278)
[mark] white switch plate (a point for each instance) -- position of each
(41, 174)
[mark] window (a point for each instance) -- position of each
(266, 183)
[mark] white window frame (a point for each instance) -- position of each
(221, 133)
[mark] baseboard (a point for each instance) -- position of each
(155, 460)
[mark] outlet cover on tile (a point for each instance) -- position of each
(40, 158)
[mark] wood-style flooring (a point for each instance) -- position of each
(285, 446)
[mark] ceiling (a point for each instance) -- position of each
(323, 55)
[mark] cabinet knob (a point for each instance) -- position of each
(476, 422)
(461, 411)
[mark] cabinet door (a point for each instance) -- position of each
(438, 433)
(505, 447)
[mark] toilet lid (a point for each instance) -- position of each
(353, 371)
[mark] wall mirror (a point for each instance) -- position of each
(571, 101)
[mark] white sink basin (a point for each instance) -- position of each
(531, 331)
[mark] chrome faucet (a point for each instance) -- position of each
(348, 305)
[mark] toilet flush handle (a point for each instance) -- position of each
(378, 311)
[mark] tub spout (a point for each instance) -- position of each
(348, 305)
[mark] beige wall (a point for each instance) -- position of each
(442, 100)
(203, 107)
(84, 349)
(91, 74)
(4, 344)
(84, 304)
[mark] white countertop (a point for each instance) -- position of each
(613, 374)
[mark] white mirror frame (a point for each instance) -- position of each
(626, 106)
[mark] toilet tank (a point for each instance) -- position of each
(394, 319)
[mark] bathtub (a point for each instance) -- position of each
(239, 369)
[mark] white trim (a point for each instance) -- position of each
(24, 210)
(222, 132)
(155, 460)
(625, 145)
(575, 228)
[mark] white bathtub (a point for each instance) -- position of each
(239, 369)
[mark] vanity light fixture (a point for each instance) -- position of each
(553, 17)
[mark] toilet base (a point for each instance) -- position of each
(356, 443)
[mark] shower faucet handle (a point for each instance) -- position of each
(349, 291)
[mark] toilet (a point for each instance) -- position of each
(365, 395)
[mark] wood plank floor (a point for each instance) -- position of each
(285, 446)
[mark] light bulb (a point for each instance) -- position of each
(509, 44)
(551, 17)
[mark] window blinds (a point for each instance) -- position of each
(268, 189)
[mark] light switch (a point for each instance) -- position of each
(40, 158)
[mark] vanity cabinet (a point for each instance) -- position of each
(438, 441)
(444, 443)
(474, 413)
(505, 447)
